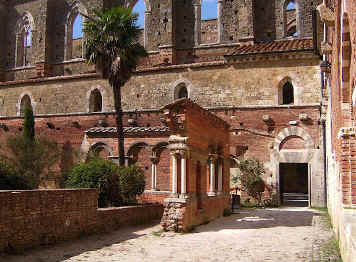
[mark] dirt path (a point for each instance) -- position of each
(281, 235)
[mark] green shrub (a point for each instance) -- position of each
(97, 173)
(117, 185)
(132, 183)
(250, 178)
(10, 178)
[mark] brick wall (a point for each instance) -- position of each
(40, 217)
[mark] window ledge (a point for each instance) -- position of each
(20, 68)
(75, 60)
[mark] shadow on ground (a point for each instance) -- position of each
(65, 250)
(262, 218)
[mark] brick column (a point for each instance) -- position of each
(347, 164)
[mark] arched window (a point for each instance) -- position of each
(290, 18)
(209, 21)
(288, 94)
(95, 101)
(140, 8)
(181, 91)
(74, 35)
(77, 37)
(24, 41)
(25, 101)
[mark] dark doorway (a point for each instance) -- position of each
(294, 184)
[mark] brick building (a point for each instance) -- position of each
(256, 66)
(339, 97)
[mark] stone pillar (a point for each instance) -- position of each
(154, 173)
(145, 37)
(197, 24)
(212, 177)
(174, 174)
(220, 176)
(183, 173)
(220, 27)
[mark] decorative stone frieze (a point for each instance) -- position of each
(346, 132)
(326, 48)
(326, 15)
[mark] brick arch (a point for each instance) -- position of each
(136, 146)
(293, 132)
(99, 146)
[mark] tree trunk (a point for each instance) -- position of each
(118, 117)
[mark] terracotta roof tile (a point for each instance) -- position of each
(128, 130)
(274, 46)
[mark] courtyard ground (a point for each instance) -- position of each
(251, 235)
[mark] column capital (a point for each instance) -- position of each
(155, 159)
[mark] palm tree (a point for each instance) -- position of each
(112, 44)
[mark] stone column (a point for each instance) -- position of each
(154, 173)
(212, 177)
(220, 176)
(197, 24)
(174, 174)
(183, 173)
(220, 27)
(145, 36)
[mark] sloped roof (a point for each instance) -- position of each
(274, 47)
(128, 130)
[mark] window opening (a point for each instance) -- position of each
(288, 94)
(209, 21)
(96, 103)
(25, 101)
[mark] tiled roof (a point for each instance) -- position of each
(274, 46)
(128, 130)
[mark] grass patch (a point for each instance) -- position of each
(331, 251)
(158, 233)
(323, 209)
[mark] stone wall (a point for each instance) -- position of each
(254, 83)
(339, 111)
(42, 217)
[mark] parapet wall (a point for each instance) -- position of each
(41, 217)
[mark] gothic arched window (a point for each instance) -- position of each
(290, 18)
(140, 8)
(25, 101)
(24, 41)
(209, 21)
(95, 101)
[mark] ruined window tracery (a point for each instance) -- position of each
(209, 22)
(290, 18)
(74, 36)
(96, 101)
(23, 55)
(140, 8)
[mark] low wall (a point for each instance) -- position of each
(41, 217)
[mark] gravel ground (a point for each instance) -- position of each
(251, 235)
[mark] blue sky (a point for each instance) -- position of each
(209, 10)
(77, 27)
